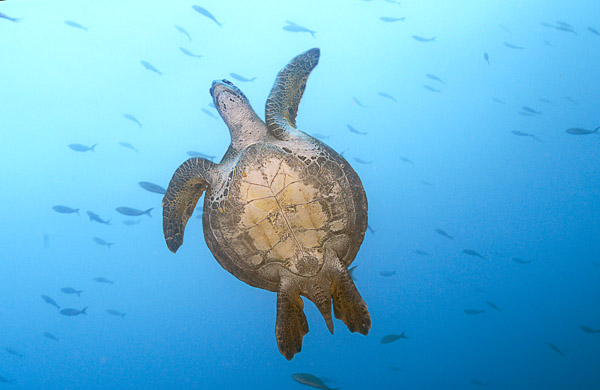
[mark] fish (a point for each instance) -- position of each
(129, 222)
(293, 27)
(310, 380)
(134, 212)
(544, 100)
(242, 78)
(50, 301)
(388, 19)
(320, 136)
(486, 58)
(353, 130)
(493, 305)
(358, 102)
(189, 53)
(548, 43)
(46, 241)
(427, 183)
(184, 32)
(51, 336)
(565, 29)
(205, 12)
(114, 312)
(393, 2)
(73, 24)
(95, 217)
(505, 28)
(5, 16)
(128, 146)
(101, 279)
(523, 134)
(71, 290)
(406, 160)
(193, 153)
(473, 312)
(531, 110)
(82, 148)
(387, 273)
(13, 352)
(422, 39)
(587, 329)
(370, 229)
(520, 261)
(3, 379)
(557, 350)
(65, 209)
(422, 253)
(570, 99)
(387, 96)
(394, 368)
(580, 131)
(510, 45)
(564, 24)
(430, 88)
(151, 187)
(150, 67)
(593, 31)
(361, 161)
(443, 234)
(73, 312)
(133, 119)
(477, 382)
(204, 110)
(434, 77)
(100, 241)
(498, 101)
(471, 252)
(595, 263)
(392, 337)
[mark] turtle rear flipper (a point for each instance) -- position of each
(348, 305)
(283, 101)
(291, 324)
(188, 184)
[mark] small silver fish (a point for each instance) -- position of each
(523, 134)
(103, 242)
(310, 380)
(498, 101)
(434, 77)
(71, 290)
(531, 110)
(13, 352)
(493, 305)
(393, 337)
(242, 78)
(184, 32)
(422, 39)
(5, 16)
(510, 45)
(134, 212)
(486, 58)
(82, 148)
(520, 261)
(128, 146)
(101, 279)
(65, 209)
(587, 329)
(353, 130)
(114, 312)
(430, 88)
(73, 24)
(51, 336)
(150, 67)
(133, 119)
(580, 131)
(477, 382)
(387, 273)
(593, 31)
(151, 187)
(205, 12)
(443, 234)
(556, 349)
(358, 102)
(50, 301)
(361, 161)
(96, 218)
(189, 53)
(388, 19)
(471, 252)
(387, 96)
(406, 160)
(421, 252)
(293, 27)
(73, 312)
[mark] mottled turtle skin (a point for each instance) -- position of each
(282, 211)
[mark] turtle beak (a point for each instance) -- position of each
(221, 84)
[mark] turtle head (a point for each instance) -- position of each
(236, 111)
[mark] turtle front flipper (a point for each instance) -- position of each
(283, 101)
(348, 305)
(188, 184)
(291, 324)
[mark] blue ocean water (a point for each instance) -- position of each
(439, 153)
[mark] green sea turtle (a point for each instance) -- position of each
(282, 212)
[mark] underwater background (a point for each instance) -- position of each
(484, 247)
